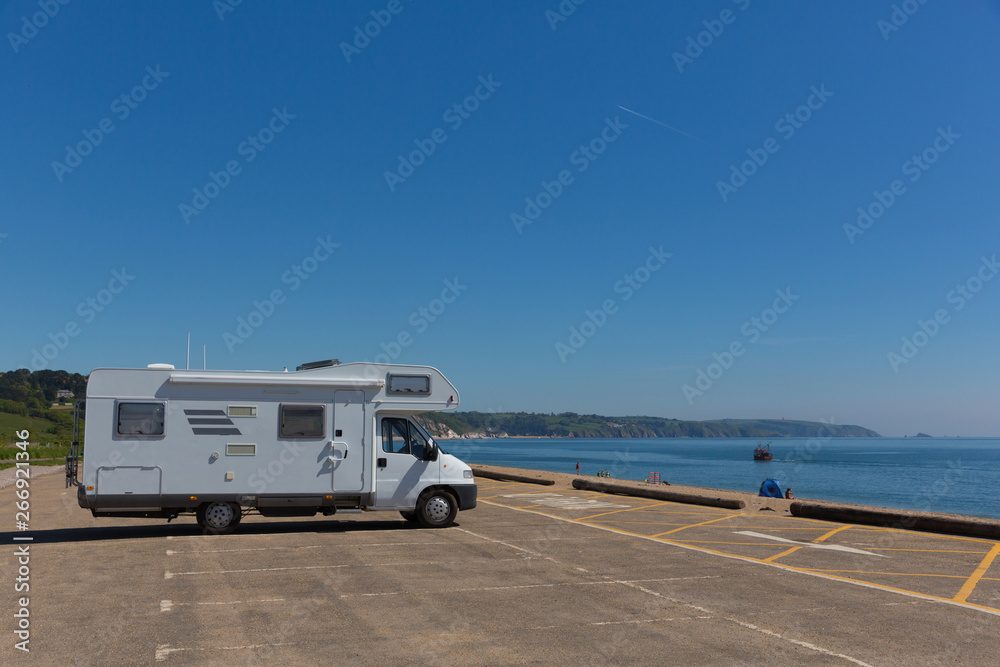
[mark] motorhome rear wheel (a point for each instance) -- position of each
(219, 518)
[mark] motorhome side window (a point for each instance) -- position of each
(399, 436)
(140, 419)
(301, 421)
(409, 384)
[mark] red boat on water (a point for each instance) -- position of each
(762, 453)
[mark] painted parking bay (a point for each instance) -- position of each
(957, 570)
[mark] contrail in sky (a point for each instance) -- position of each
(669, 127)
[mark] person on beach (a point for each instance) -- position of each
(789, 494)
(577, 467)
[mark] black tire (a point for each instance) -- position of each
(219, 518)
(409, 516)
(437, 509)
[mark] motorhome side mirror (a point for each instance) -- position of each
(431, 452)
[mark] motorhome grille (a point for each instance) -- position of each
(242, 410)
(234, 449)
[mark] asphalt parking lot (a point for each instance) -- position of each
(534, 575)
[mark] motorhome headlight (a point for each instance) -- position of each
(467, 474)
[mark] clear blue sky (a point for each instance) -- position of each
(309, 129)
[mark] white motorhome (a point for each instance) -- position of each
(327, 438)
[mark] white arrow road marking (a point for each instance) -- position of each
(163, 651)
(812, 545)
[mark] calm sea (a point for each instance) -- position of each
(957, 475)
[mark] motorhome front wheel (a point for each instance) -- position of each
(437, 509)
(219, 518)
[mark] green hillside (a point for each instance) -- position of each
(26, 401)
(572, 425)
(51, 440)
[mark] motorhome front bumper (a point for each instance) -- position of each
(466, 496)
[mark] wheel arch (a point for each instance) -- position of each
(443, 487)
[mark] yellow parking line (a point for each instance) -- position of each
(970, 584)
(887, 588)
(693, 510)
(630, 509)
(833, 532)
(735, 544)
(693, 525)
(913, 533)
(782, 528)
(800, 518)
(934, 551)
(890, 574)
(665, 503)
(646, 523)
(783, 553)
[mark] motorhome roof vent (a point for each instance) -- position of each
(318, 364)
(160, 367)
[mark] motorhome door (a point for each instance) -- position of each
(347, 449)
(401, 471)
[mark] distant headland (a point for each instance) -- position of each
(454, 425)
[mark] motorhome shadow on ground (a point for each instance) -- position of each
(324, 439)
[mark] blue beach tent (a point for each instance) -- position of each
(771, 489)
